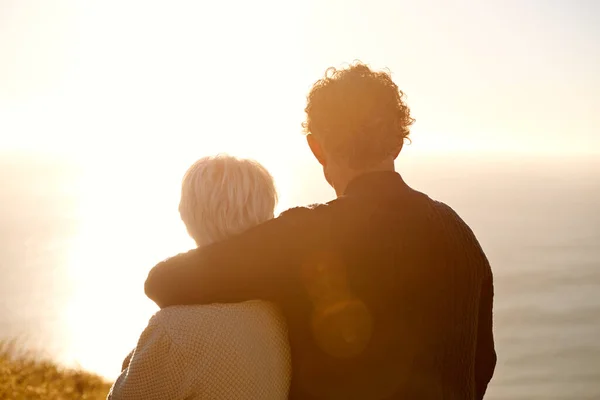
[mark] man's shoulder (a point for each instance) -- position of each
(439, 214)
(306, 214)
(447, 213)
(438, 208)
(455, 226)
(303, 210)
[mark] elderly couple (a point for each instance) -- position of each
(382, 293)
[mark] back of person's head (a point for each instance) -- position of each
(358, 116)
(222, 196)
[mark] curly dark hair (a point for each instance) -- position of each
(358, 114)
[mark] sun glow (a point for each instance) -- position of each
(137, 90)
(125, 228)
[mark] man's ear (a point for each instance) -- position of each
(316, 149)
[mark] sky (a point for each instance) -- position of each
(150, 80)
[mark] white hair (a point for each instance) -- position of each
(223, 195)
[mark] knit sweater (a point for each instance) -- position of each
(387, 293)
(212, 352)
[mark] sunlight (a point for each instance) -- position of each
(125, 230)
(129, 221)
(138, 90)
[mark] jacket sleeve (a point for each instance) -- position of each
(485, 357)
(253, 265)
(156, 370)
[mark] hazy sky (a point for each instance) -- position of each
(181, 78)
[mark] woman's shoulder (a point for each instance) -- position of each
(200, 329)
(186, 311)
(205, 316)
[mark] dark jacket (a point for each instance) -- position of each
(387, 293)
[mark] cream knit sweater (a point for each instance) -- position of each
(218, 351)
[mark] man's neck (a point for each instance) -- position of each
(345, 177)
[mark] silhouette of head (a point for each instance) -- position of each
(356, 122)
(222, 196)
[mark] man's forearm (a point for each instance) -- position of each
(252, 265)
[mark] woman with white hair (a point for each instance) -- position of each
(218, 351)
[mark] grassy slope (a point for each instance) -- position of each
(23, 377)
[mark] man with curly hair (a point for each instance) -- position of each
(386, 292)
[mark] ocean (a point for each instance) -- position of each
(76, 245)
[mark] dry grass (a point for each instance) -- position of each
(24, 377)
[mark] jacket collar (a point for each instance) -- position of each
(376, 184)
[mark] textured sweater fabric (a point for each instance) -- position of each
(220, 351)
(386, 292)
